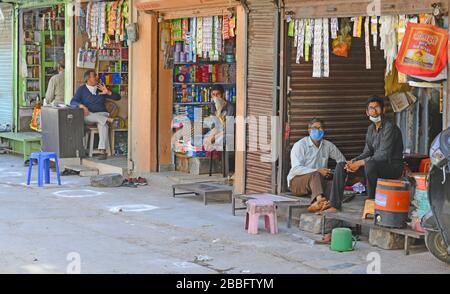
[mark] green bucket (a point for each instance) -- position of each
(342, 240)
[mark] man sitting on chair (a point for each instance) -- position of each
(91, 97)
(309, 166)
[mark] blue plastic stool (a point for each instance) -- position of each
(43, 159)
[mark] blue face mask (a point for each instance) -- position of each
(317, 135)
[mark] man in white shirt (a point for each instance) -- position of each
(55, 89)
(309, 166)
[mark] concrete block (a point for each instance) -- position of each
(200, 165)
(182, 163)
(313, 223)
(107, 180)
(385, 239)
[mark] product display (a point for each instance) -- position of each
(41, 49)
(203, 50)
(106, 22)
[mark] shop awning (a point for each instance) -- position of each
(186, 8)
(348, 8)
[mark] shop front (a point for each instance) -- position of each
(188, 74)
(100, 43)
(337, 56)
(38, 43)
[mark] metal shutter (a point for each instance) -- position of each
(6, 66)
(262, 82)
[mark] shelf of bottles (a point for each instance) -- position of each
(192, 82)
(31, 82)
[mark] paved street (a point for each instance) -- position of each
(42, 229)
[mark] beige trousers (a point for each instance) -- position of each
(313, 184)
(101, 119)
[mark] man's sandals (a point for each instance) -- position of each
(319, 206)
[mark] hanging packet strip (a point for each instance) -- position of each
(307, 40)
(118, 34)
(194, 40)
(226, 27)
(374, 30)
(291, 28)
(334, 28)
(367, 37)
(217, 37)
(424, 50)
(357, 27)
(125, 20)
(317, 49)
(94, 24)
(88, 19)
(326, 48)
(233, 27)
(388, 38)
(184, 28)
(199, 36)
(294, 24)
(207, 36)
(310, 38)
(300, 39)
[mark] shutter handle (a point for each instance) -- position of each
(288, 90)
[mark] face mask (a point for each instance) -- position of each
(375, 119)
(317, 135)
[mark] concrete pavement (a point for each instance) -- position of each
(78, 227)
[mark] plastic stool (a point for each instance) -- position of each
(256, 208)
(43, 159)
(369, 209)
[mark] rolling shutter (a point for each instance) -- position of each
(6, 66)
(262, 82)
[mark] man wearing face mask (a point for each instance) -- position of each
(382, 156)
(221, 109)
(91, 97)
(309, 174)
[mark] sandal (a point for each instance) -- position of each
(141, 181)
(316, 206)
(325, 240)
(325, 205)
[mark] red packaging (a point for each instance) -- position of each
(423, 51)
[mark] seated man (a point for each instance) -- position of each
(91, 98)
(309, 162)
(221, 110)
(55, 89)
(382, 156)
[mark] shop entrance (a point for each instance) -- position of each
(101, 44)
(341, 86)
(41, 50)
(198, 64)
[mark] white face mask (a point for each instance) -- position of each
(375, 119)
(219, 103)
